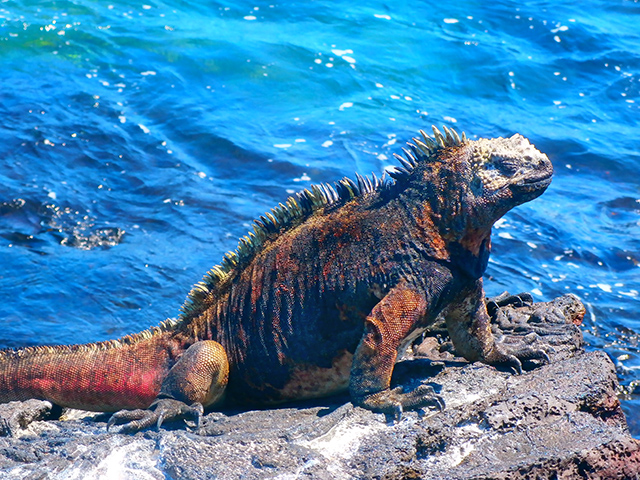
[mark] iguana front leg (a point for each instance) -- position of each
(387, 327)
(468, 324)
(197, 379)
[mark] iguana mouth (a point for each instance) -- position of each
(534, 184)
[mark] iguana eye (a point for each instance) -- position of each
(506, 166)
(477, 186)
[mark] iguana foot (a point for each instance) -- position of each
(164, 409)
(505, 299)
(518, 313)
(395, 401)
(513, 354)
(526, 329)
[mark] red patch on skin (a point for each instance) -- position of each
(109, 379)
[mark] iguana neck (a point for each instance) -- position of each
(444, 227)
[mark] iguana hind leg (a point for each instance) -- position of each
(198, 379)
(387, 328)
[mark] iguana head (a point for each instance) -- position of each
(469, 184)
(504, 173)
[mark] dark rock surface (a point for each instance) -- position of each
(561, 421)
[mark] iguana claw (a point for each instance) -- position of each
(395, 401)
(505, 298)
(511, 355)
(533, 331)
(161, 410)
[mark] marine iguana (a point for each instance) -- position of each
(319, 298)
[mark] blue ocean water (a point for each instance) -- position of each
(138, 141)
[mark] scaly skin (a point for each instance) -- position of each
(320, 298)
(83, 377)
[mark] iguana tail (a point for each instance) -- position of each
(105, 376)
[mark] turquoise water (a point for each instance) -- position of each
(139, 140)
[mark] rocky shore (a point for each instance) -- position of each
(560, 420)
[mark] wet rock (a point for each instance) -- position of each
(560, 420)
(16, 416)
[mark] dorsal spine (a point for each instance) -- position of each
(305, 203)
